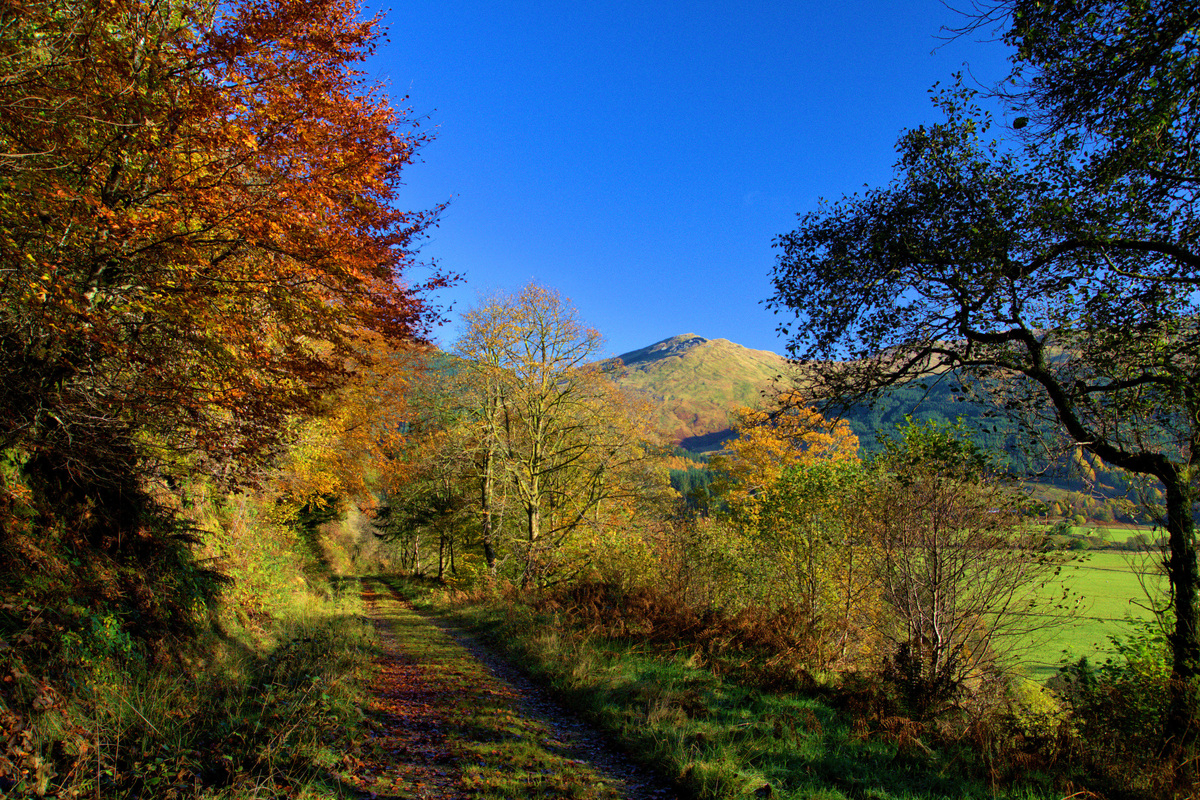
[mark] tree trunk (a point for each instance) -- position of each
(486, 488)
(1184, 575)
(535, 524)
(534, 520)
(441, 556)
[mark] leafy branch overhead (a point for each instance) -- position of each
(198, 221)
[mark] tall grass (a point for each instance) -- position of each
(713, 712)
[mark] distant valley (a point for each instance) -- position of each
(693, 385)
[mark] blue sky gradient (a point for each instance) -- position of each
(640, 157)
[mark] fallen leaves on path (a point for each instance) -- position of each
(409, 754)
(443, 725)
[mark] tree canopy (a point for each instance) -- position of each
(553, 427)
(198, 222)
(771, 440)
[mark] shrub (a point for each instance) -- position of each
(1119, 711)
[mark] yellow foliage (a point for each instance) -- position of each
(679, 462)
(358, 439)
(790, 482)
(787, 434)
(558, 432)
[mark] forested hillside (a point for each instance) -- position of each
(695, 387)
(1069, 480)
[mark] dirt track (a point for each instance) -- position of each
(450, 719)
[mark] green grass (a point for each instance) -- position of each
(1109, 589)
(263, 715)
(719, 738)
(1116, 532)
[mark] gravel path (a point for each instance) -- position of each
(419, 713)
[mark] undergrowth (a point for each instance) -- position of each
(209, 661)
(717, 705)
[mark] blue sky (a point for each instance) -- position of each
(640, 157)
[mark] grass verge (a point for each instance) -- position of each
(267, 713)
(178, 641)
(719, 737)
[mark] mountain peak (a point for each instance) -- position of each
(693, 383)
(673, 346)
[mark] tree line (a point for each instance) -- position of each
(207, 282)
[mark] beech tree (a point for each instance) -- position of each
(357, 441)
(1059, 266)
(197, 222)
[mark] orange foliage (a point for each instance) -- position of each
(197, 221)
(361, 434)
(769, 441)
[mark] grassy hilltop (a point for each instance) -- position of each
(695, 382)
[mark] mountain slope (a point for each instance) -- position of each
(694, 383)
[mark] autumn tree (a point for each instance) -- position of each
(427, 495)
(787, 484)
(810, 529)
(1057, 266)
(959, 567)
(197, 223)
(480, 385)
(769, 441)
(553, 422)
(356, 441)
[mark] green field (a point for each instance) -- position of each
(1116, 531)
(1109, 588)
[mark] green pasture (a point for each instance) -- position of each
(1104, 590)
(1116, 532)
(1113, 533)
